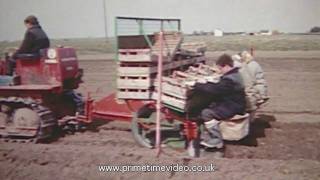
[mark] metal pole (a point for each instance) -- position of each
(252, 51)
(105, 18)
(161, 26)
(140, 23)
(116, 38)
(158, 121)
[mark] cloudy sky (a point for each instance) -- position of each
(85, 18)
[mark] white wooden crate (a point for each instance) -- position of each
(189, 53)
(136, 71)
(136, 55)
(174, 90)
(190, 104)
(144, 69)
(135, 82)
(134, 94)
(194, 46)
(171, 101)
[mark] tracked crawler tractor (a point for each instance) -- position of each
(39, 93)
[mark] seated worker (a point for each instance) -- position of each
(248, 80)
(34, 40)
(229, 100)
(257, 74)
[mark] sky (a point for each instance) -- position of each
(88, 18)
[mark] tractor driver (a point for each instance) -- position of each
(34, 40)
(229, 100)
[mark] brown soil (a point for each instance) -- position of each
(284, 142)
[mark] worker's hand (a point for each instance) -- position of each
(10, 54)
(213, 78)
(190, 83)
(202, 80)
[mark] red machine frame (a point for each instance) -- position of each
(112, 108)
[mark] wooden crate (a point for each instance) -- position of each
(135, 82)
(193, 105)
(136, 69)
(197, 47)
(134, 94)
(136, 55)
(174, 90)
(171, 101)
(144, 69)
(184, 52)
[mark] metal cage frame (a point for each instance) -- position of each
(162, 24)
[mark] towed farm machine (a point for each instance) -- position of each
(154, 68)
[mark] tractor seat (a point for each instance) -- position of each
(28, 56)
(235, 128)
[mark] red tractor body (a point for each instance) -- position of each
(45, 82)
(57, 73)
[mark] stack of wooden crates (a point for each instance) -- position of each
(137, 68)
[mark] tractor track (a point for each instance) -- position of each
(8, 140)
(44, 128)
(290, 112)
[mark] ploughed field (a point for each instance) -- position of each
(284, 143)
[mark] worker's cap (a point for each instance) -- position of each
(236, 57)
(31, 20)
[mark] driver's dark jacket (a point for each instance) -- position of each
(228, 94)
(34, 40)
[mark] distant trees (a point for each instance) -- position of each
(315, 29)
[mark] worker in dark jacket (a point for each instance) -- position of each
(34, 40)
(229, 100)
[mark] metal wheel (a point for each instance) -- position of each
(141, 127)
(3, 120)
(26, 121)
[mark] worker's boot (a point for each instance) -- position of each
(212, 138)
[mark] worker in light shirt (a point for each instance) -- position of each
(257, 74)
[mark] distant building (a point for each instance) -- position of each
(218, 32)
(265, 32)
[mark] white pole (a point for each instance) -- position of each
(158, 121)
(105, 18)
